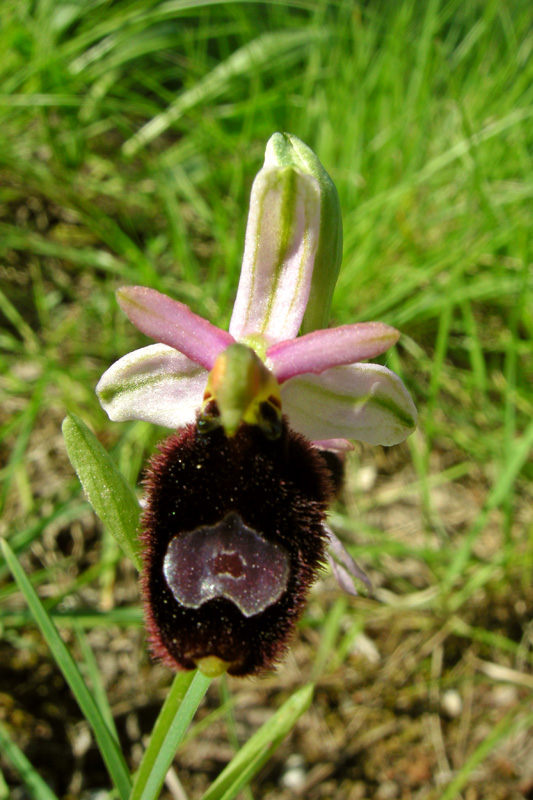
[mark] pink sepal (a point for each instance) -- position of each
(173, 323)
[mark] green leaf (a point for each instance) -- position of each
(107, 745)
(183, 699)
(259, 748)
(107, 490)
(33, 782)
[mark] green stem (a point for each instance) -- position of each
(183, 699)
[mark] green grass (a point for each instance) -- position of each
(131, 133)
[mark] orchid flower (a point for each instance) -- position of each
(245, 479)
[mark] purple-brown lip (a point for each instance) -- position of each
(233, 538)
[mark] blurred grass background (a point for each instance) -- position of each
(131, 132)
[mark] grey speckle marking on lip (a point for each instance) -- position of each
(229, 560)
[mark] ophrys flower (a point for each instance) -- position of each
(235, 527)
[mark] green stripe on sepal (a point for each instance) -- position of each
(286, 150)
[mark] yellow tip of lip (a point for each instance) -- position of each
(212, 666)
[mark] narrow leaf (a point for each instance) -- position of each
(107, 490)
(503, 730)
(501, 487)
(251, 58)
(107, 745)
(95, 676)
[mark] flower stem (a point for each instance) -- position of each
(183, 699)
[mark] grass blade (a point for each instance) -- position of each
(505, 728)
(228, 704)
(182, 701)
(107, 490)
(501, 487)
(252, 56)
(33, 782)
(260, 746)
(107, 745)
(97, 686)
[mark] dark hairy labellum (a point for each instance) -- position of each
(233, 538)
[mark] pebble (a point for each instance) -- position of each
(388, 790)
(452, 703)
(295, 774)
(364, 646)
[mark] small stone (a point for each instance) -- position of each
(452, 703)
(366, 478)
(388, 790)
(504, 696)
(364, 646)
(294, 775)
